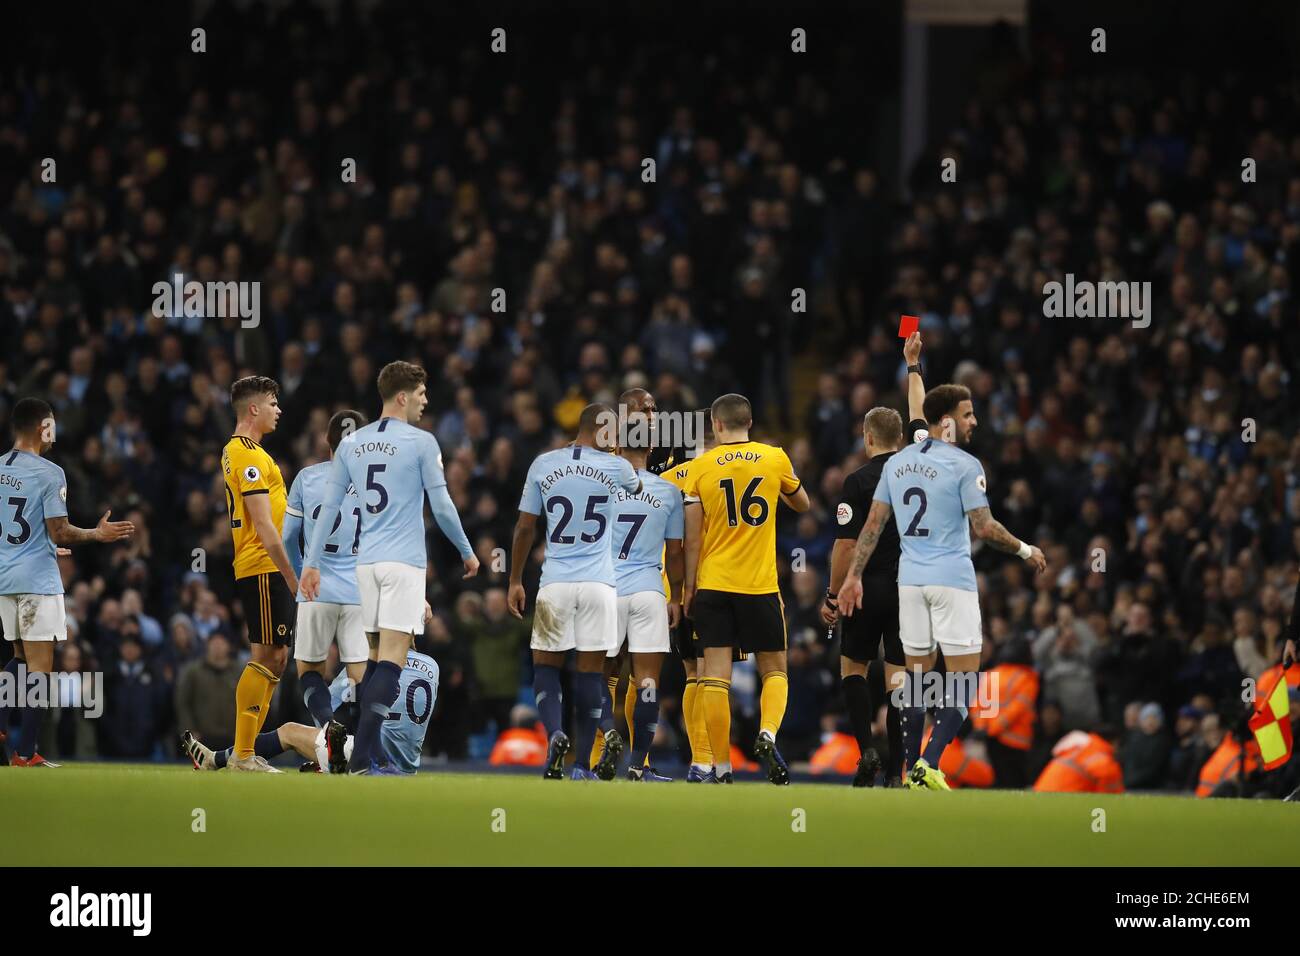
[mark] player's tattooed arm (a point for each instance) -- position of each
(867, 540)
(990, 529)
(63, 533)
(525, 532)
(849, 598)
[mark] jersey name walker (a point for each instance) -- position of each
(739, 485)
(31, 490)
(642, 523)
(249, 470)
(392, 466)
(576, 487)
(403, 730)
(931, 486)
(338, 562)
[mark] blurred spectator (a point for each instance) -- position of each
(204, 691)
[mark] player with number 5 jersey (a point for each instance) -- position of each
(394, 466)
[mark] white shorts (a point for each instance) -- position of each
(33, 617)
(642, 623)
(320, 625)
(937, 614)
(392, 597)
(575, 614)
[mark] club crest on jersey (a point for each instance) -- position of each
(251, 473)
(63, 493)
(981, 484)
(843, 514)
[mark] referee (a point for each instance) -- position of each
(862, 634)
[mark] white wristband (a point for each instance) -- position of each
(1025, 551)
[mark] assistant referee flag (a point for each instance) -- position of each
(1271, 723)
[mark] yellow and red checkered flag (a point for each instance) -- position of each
(1271, 723)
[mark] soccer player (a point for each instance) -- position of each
(394, 466)
(335, 616)
(685, 641)
(934, 489)
(264, 578)
(401, 737)
(862, 634)
(730, 588)
(577, 603)
(647, 540)
(33, 523)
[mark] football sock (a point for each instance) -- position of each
(894, 729)
(857, 702)
(268, 745)
(546, 687)
(688, 714)
(950, 718)
(10, 669)
(645, 724)
(265, 710)
(587, 696)
(912, 718)
(361, 685)
(317, 698)
(772, 701)
(381, 692)
(630, 697)
(33, 719)
(221, 757)
(715, 701)
(249, 692)
(697, 731)
(606, 719)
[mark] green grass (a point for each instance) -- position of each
(100, 814)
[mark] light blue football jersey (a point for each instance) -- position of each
(642, 522)
(338, 567)
(931, 485)
(31, 490)
(576, 486)
(403, 730)
(393, 466)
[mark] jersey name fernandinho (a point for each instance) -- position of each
(32, 489)
(931, 486)
(249, 470)
(739, 485)
(575, 487)
(642, 523)
(338, 562)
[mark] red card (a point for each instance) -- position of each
(908, 326)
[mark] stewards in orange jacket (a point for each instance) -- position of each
(838, 754)
(520, 747)
(1082, 763)
(1226, 763)
(1012, 687)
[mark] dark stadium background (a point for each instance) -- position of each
(775, 170)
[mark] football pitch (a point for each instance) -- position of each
(113, 814)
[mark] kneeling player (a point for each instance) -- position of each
(401, 737)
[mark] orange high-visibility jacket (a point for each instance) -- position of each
(839, 754)
(1082, 763)
(1225, 763)
(959, 767)
(520, 747)
(1013, 689)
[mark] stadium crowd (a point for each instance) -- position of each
(1171, 523)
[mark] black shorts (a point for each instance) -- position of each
(269, 608)
(687, 643)
(751, 622)
(877, 620)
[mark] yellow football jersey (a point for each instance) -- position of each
(739, 485)
(249, 470)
